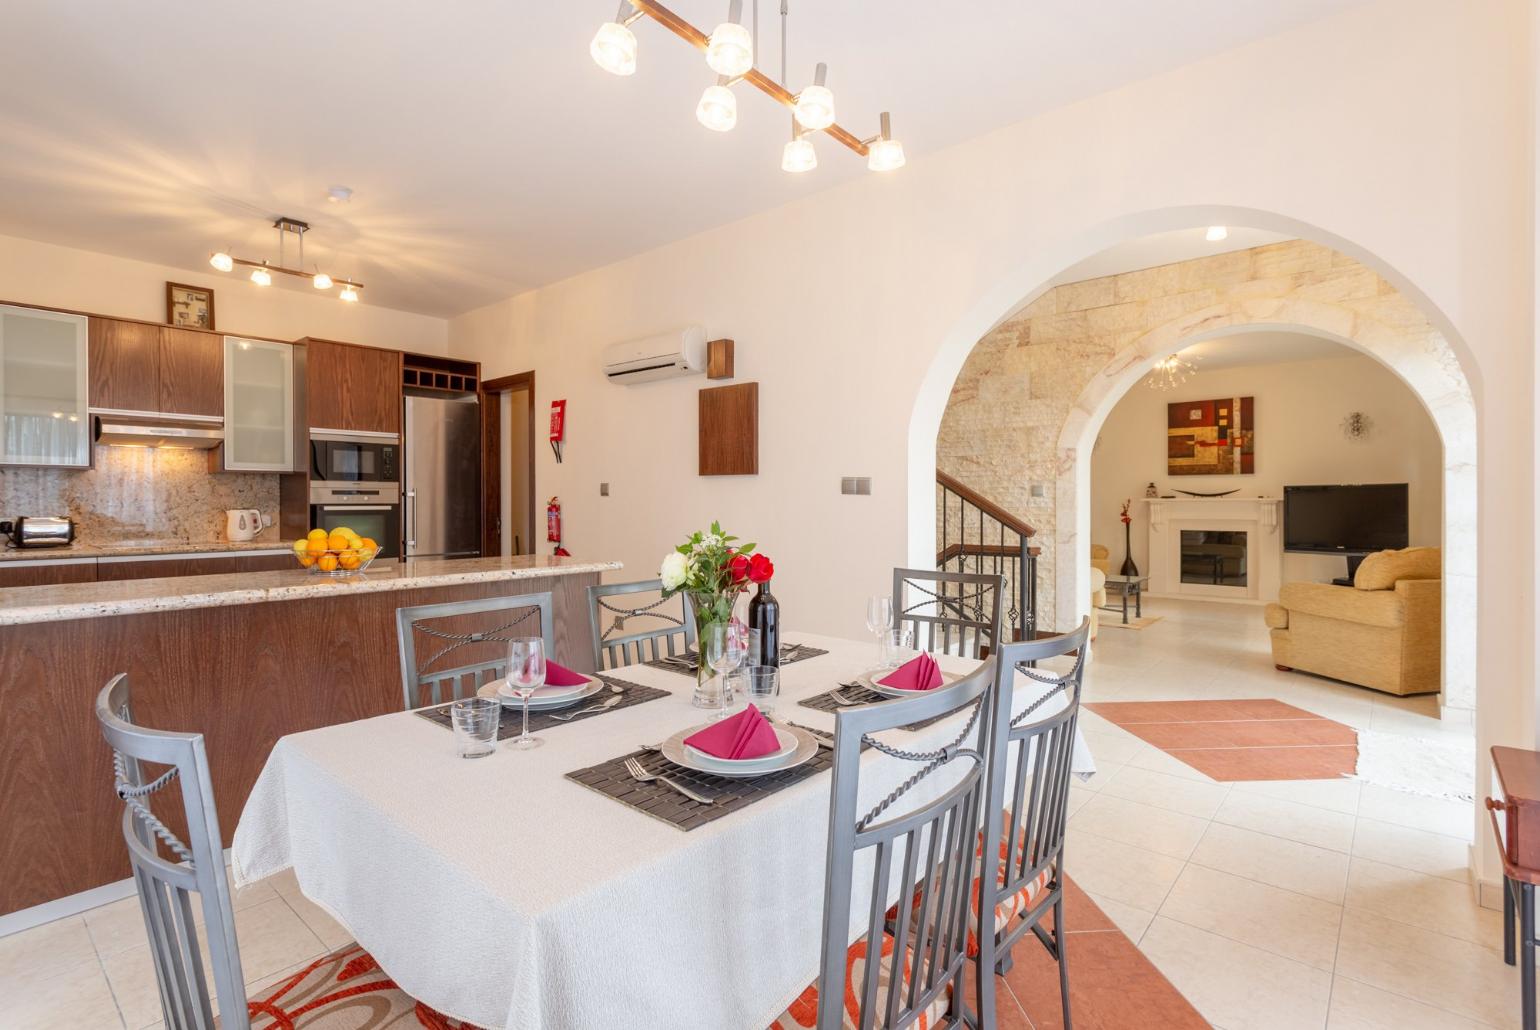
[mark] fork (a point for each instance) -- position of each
(843, 700)
(602, 706)
(641, 775)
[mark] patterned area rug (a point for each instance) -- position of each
(1240, 740)
(346, 990)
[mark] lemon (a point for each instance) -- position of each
(301, 545)
(317, 534)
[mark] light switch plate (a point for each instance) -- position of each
(604, 489)
(856, 485)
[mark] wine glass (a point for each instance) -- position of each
(526, 674)
(726, 647)
(879, 618)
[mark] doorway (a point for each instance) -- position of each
(508, 455)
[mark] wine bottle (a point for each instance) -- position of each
(765, 626)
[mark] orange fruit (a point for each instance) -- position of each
(327, 562)
(349, 560)
(307, 560)
(338, 541)
(366, 544)
(365, 553)
(315, 547)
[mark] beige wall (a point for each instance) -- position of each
(1299, 409)
(83, 280)
(1397, 132)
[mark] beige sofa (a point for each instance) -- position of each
(1382, 632)
(1100, 564)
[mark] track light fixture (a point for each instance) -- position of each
(262, 271)
(730, 52)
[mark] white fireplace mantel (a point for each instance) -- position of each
(1258, 517)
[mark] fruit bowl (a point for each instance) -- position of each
(338, 553)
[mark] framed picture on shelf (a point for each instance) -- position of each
(189, 307)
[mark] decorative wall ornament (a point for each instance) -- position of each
(1211, 438)
(190, 307)
(1357, 426)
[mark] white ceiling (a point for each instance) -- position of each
(1261, 347)
(488, 153)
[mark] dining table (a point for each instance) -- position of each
(505, 893)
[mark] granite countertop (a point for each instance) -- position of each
(116, 549)
(66, 602)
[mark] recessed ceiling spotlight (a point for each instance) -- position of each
(339, 195)
(1216, 233)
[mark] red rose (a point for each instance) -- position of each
(739, 567)
(760, 569)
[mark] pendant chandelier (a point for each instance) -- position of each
(262, 271)
(729, 51)
(1170, 372)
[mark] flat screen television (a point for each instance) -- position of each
(1349, 520)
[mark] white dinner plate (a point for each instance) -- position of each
(869, 679)
(546, 698)
(803, 747)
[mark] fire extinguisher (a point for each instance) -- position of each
(553, 526)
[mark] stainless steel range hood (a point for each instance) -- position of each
(150, 429)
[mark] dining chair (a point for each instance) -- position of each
(169, 865)
(424, 682)
(667, 634)
(960, 609)
(901, 972)
(1024, 874)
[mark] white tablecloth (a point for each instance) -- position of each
(504, 894)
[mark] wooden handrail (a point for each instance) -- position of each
(985, 505)
(951, 551)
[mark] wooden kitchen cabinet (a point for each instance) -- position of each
(352, 388)
(266, 563)
(192, 372)
(25, 573)
(108, 569)
(125, 365)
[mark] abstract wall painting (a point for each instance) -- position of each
(1211, 438)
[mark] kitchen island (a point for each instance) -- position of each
(242, 658)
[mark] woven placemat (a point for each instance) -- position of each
(864, 696)
(511, 721)
(663, 802)
(684, 662)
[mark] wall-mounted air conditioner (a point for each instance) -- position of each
(678, 353)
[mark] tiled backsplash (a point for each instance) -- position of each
(137, 493)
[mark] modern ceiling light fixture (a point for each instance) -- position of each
(730, 52)
(261, 271)
(1171, 372)
(614, 45)
(884, 153)
(1216, 233)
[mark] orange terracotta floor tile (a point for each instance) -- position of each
(1250, 739)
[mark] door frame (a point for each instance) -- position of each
(491, 459)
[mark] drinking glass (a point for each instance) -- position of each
(896, 646)
(526, 674)
(475, 721)
(879, 617)
(725, 648)
(761, 685)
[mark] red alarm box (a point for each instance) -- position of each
(1516, 809)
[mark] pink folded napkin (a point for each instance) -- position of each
(745, 735)
(919, 673)
(561, 676)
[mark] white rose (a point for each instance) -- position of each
(674, 570)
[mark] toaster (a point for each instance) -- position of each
(39, 531)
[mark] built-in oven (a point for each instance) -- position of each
(342, 457)
(371, 510)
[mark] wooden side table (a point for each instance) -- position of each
(1517, 775)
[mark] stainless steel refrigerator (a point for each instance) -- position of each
(442, 484)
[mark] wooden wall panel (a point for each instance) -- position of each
(729, 430)
(192, 372)
(242, 675)
(125, 364)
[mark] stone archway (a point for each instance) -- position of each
(1340, 300)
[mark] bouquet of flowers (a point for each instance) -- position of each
(712, 568)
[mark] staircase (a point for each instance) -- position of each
(975, 534)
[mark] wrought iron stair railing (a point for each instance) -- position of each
(977, 535)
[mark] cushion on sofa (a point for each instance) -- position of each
(1381, 569)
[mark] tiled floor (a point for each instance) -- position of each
(1282, 904)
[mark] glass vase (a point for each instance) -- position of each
(709, 610)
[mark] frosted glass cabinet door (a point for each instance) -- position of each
(43, 388)
(259, 406)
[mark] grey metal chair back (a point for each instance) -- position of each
(431, 680)
(165, 884)
(931, 843)
(666, 634)
(951, 612)
(1027, 805)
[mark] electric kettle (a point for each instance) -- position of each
(242, 524)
